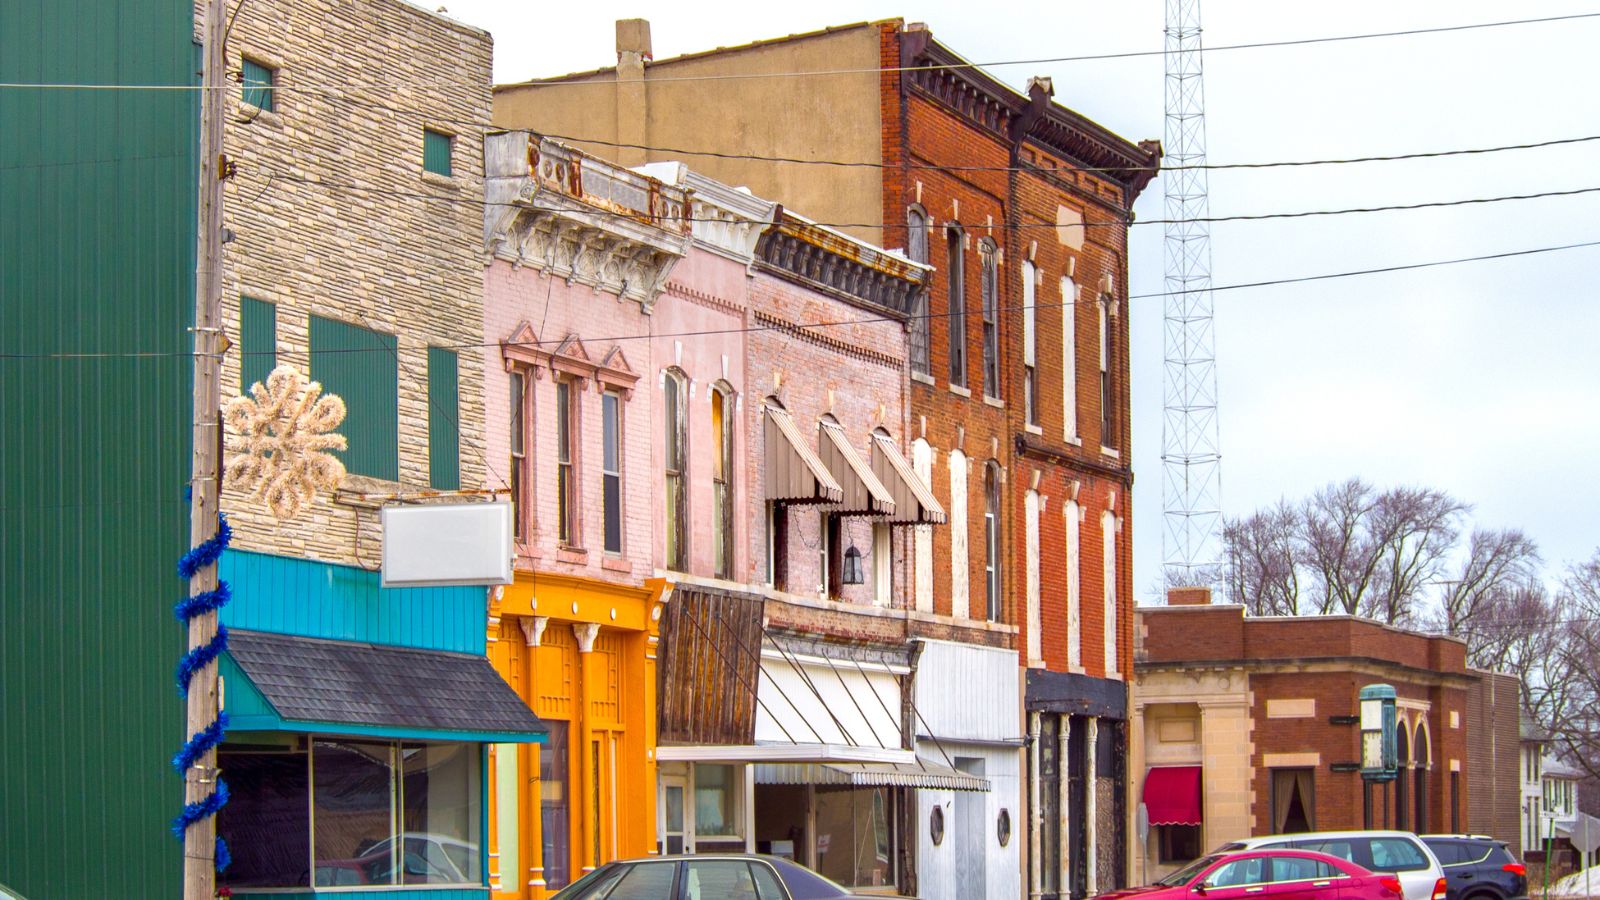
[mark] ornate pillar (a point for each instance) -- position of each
(531, 796)
(1064, 807)
(1090, 802)
(592, 832)
(1035, 807)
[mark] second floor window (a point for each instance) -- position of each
(674, 400)
(957, 319)
(917, 249)
(519, 456)
(722, 480)
(611, 469)
(989, 260)
(566, 477)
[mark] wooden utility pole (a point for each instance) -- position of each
(199, 841)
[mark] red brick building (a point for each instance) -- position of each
(1266, 710)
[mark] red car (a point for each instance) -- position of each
(1275, 874)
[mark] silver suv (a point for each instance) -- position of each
(1399, 853)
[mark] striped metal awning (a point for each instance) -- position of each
(864, 494)
(794, 473)
(920, 774)
(914, 502)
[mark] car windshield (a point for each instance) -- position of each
(1187, 874)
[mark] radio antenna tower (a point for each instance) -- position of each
(1190, 453)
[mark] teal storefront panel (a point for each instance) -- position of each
(318, 599)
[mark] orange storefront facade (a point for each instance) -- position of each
(581, 654)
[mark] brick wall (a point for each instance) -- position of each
(377, 243)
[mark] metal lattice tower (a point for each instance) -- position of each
(1190, 453)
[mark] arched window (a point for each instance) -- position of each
(960, 561)
(991, 540)
(1402, 754)
(917, 250)
(1419, 754)
(674, 407)
(955, 274)
(1108, 531)
(989, 259)
(1030, 342)
(1030, 510)
(1073, 515)
(922, 464)
(1108, 367)
(1069, 359)
(722, 478)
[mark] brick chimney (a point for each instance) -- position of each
(1189, 596)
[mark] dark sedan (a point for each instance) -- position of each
(1280, 874)
(733, 876)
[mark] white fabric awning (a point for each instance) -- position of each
(804, 700)
(919, 774)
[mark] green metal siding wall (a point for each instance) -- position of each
(444, 420)
(258, 341)
(96, 254)
(360, 366)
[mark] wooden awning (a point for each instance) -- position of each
(794, 472)
(914, 502)
(864, 494)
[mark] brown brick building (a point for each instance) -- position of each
(1266, 710)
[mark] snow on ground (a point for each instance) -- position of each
(1574, 885)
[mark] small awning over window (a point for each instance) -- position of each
(283, 682)
(1172, 795)
(864, 494)
(794, 473)
(914, 502)
(921, 774)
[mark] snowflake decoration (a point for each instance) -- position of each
(280, 437)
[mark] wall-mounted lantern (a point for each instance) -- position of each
(1378, 732)
(852, 567)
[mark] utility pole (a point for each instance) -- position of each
(199, 840)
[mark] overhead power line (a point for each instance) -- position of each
(1247, 217)
(1509, 254)
(1088, 57)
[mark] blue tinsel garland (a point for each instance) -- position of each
(207, 553)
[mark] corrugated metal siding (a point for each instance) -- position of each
(258, 341)
(360, 366)
(444, 420)
(968, 692)
(318, 599)
(436, 151)
(96, 254)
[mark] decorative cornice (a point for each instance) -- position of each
(1037, 449)
(702, 298)
(577, 217)
(726, 220)
(832, 262)
(942, 75)
(812, 336)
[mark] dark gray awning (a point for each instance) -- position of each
(327, 686)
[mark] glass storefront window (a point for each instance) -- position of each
(353, 813)
(855, 845)
(352, 791)
(714, 801)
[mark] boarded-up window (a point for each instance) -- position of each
(359, 365)
(444, 423)
(258, 341)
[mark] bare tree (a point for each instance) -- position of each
(1264, 559)
(1338, 546)
(1572, 675)
(1413, 530)
(1498, 564)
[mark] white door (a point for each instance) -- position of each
(971, 834)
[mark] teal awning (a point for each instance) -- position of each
(283, 682)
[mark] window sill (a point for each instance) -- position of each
(960, 391)
(572, 555)
(1107, 451)
(444, 181)
(1033, 429)
(615, 564)
(925, 379)
(1074, 440)
(995, 402)
(250, 114)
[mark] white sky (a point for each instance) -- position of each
(1478, 379)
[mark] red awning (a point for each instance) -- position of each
(1172, 795)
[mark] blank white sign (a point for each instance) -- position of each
(453, 544)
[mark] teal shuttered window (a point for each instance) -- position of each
(436, 152)
(444, 421)
(257, 85)
(258, 341)
(360, 366)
